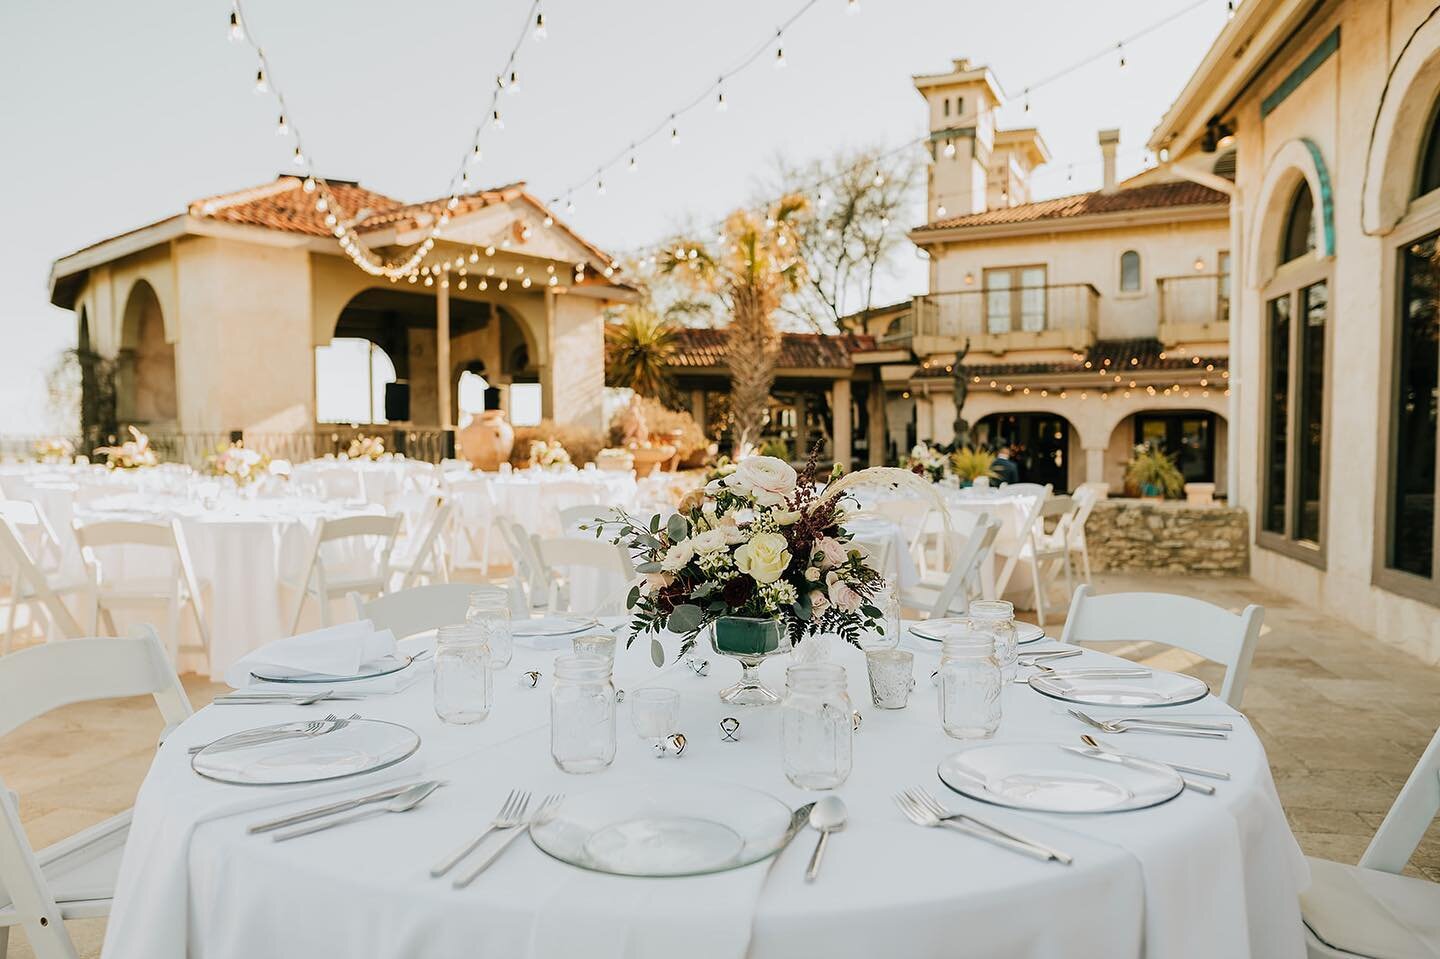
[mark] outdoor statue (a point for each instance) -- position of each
(962, 387)
(633, 428)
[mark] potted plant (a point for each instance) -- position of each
(1153, 472)
(970, 464)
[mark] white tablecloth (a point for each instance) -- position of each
(1196, 877)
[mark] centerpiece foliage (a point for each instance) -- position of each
(970, 464)
(133, 454)
(364, 447)
(549, 455)
(927, 462)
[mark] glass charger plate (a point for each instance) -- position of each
(1045, 778)
(380, 667)
(300, 752)
(1160, 688)
(934, 629)
(663, 830)
(553, 626)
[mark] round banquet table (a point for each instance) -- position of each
(1197, 876)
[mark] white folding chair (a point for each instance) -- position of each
(74, 878)
(1049, 553)
(406, 612)
(1087, 495)
(1370, 910)
(916, 518)
(32, 553)
(531, 577)
(365, 571)
(426, 553)
(1029, 501)
(969, 550)
(1180, 621)
(145, 583)
(565, 557)
(474, 520)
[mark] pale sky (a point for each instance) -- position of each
(117, 114)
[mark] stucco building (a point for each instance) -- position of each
(212, 317)
(1331, 109)
(1085, 323)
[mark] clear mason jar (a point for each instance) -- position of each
(582, 714)
(816, 726)
(464, 688)
(489, 610)
(997, 617)
(969, 685)
(887, 599)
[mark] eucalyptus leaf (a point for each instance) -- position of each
(685, 618)
(677, 528)
(633, 597)
(657, 653)
(872, 611)
(655, 523)
(648, 568)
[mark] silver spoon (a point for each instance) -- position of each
(828, 816)
(404, 802)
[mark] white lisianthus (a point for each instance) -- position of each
(715, 487)
(677, 556)
(709, 541)
(842, 594)
(765, 479)
(764, 558)
(785, 517)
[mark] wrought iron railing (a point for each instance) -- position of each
(1194, 300)
(1062, 307)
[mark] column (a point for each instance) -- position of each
(442, 351)
(697, 409)
(841, 429)
(1095, 464)
(879, 428)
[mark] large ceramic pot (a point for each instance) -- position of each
(488, 440)
(751, 641)
(649, 458)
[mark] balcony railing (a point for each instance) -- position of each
(1194, 307)
(1061, 315)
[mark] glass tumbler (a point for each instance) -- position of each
(997, 617)
(655, 714)
(489, 610)
(888, 636)
(601, 645)
(816, 727)
(463, 684)
(582, 714)
(892, 677)
(969, 685)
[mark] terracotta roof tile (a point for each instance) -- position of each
(1114, 355)
(704, 348)
(1148, 197)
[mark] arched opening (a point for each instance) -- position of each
(1129, 271)
(1039, 444)
(145, 392)
(486, 339)
(352, 376)
(1298, 236)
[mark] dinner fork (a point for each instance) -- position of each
(929, 801)
(260, 738)
(1109, 726)
(510, 815)
(545, 807)
(923, 814)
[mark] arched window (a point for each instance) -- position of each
(1129, 271)
(350, 378)
(1298, 237)
(1429, 178)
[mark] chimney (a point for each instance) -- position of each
(1109, 139)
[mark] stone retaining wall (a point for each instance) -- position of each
(1164, 536)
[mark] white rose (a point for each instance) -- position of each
(812, 573)
(767, 480)
(677, 556)
(785, 517)
(708, 541)
(764, 558)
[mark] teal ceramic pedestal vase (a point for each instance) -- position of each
(751, 641)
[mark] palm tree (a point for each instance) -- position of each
(757, 266)
(638, 350)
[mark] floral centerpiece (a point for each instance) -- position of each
(364, 447)
(237, 463)
(549, 454)
(927, 462)
(54, 449)
(970, 464)
(133, 454)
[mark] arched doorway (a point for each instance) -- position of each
(145, 368)
(1039, 442)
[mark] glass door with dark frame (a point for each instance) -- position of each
(1187, 436)
(1039, 442)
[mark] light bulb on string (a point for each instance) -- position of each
(549, 221)
(1027, 99)
(475, 155)
(281, 127)
(634, 166)
(513, 86)
(1120, 48)
(541, 31)
(309, 185)
(720, 104)
(779, 53)
(237, 29)
(569, 205)
(674, 132)
(299, 158)
(940, 210)
(879, 178)
(599, 185)
(495, 120)
(262, 85)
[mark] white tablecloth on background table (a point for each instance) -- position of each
(1196, 877)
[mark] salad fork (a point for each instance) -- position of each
(510, 815)
(922, 813)
(318, 727)
(545, 806)
(1171, 728)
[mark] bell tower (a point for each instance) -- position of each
(961, 106)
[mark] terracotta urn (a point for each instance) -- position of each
(648, 458)
(488, 440)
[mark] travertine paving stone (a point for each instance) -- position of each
(1343, 717)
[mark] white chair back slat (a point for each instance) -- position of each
(969, 552)
(1180, 621)
(36, 584)
(406, 612)
(378, 533)
(1409, 817)
(567, 554)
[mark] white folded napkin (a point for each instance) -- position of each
(332, 651)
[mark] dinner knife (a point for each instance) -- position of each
(331, 809)
(799, 819)
(1178, 767)
(1124, 760)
